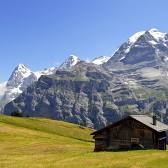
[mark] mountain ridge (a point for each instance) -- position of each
(97, 95)
(22, 77)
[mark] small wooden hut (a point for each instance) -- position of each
(132, 132)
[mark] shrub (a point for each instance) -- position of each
(17, 114)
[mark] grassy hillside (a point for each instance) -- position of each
(42, 143)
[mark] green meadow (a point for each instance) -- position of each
(43, 143)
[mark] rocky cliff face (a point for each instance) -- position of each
(77, 96)
(22, 77)
(133, 81)
(92, 96)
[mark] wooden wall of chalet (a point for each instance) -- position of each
(128, 133)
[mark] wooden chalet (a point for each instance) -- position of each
(132, 132)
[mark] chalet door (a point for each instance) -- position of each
(162, 144)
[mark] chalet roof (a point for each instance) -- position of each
(144, 119)
(148, 121)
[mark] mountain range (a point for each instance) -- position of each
(94, 94)
(22, 77)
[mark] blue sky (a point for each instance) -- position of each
(42, 33)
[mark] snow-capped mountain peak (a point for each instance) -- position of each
(47, 71)
(142, 47)
(23, 70)
(72, 60)
(100, 60)
(135, 37)
(19, 73)
(21, 78)
(153, 37)
(157, 35)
